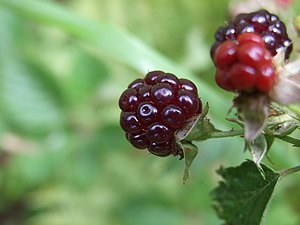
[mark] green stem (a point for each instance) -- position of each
(295, 109)
(291, 140)
(224, 134)
(286, 172)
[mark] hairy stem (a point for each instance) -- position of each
(286, 172)
(224, 134)
(291, 140)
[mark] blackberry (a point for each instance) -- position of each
(244, 65)
(155, 107)
(267, 25)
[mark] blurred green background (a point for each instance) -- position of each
(63, 158)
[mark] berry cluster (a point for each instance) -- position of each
(153, 108)
(244, 65)
(267, 25)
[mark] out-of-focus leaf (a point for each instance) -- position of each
(109, 41)
(86, 75)
(243, 196)
(147, 214)
(113, 42)
(27, 101)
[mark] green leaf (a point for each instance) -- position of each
(243, 195)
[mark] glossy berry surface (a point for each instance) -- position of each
(244, 65)
(155, 107)
(269, 27)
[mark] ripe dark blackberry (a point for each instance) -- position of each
(267, 25)
(155, 107)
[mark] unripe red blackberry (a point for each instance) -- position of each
(155, 107)
(244, 65)
(267, 25)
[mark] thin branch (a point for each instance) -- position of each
(291, 140)
(286, 172)
(224, 134)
